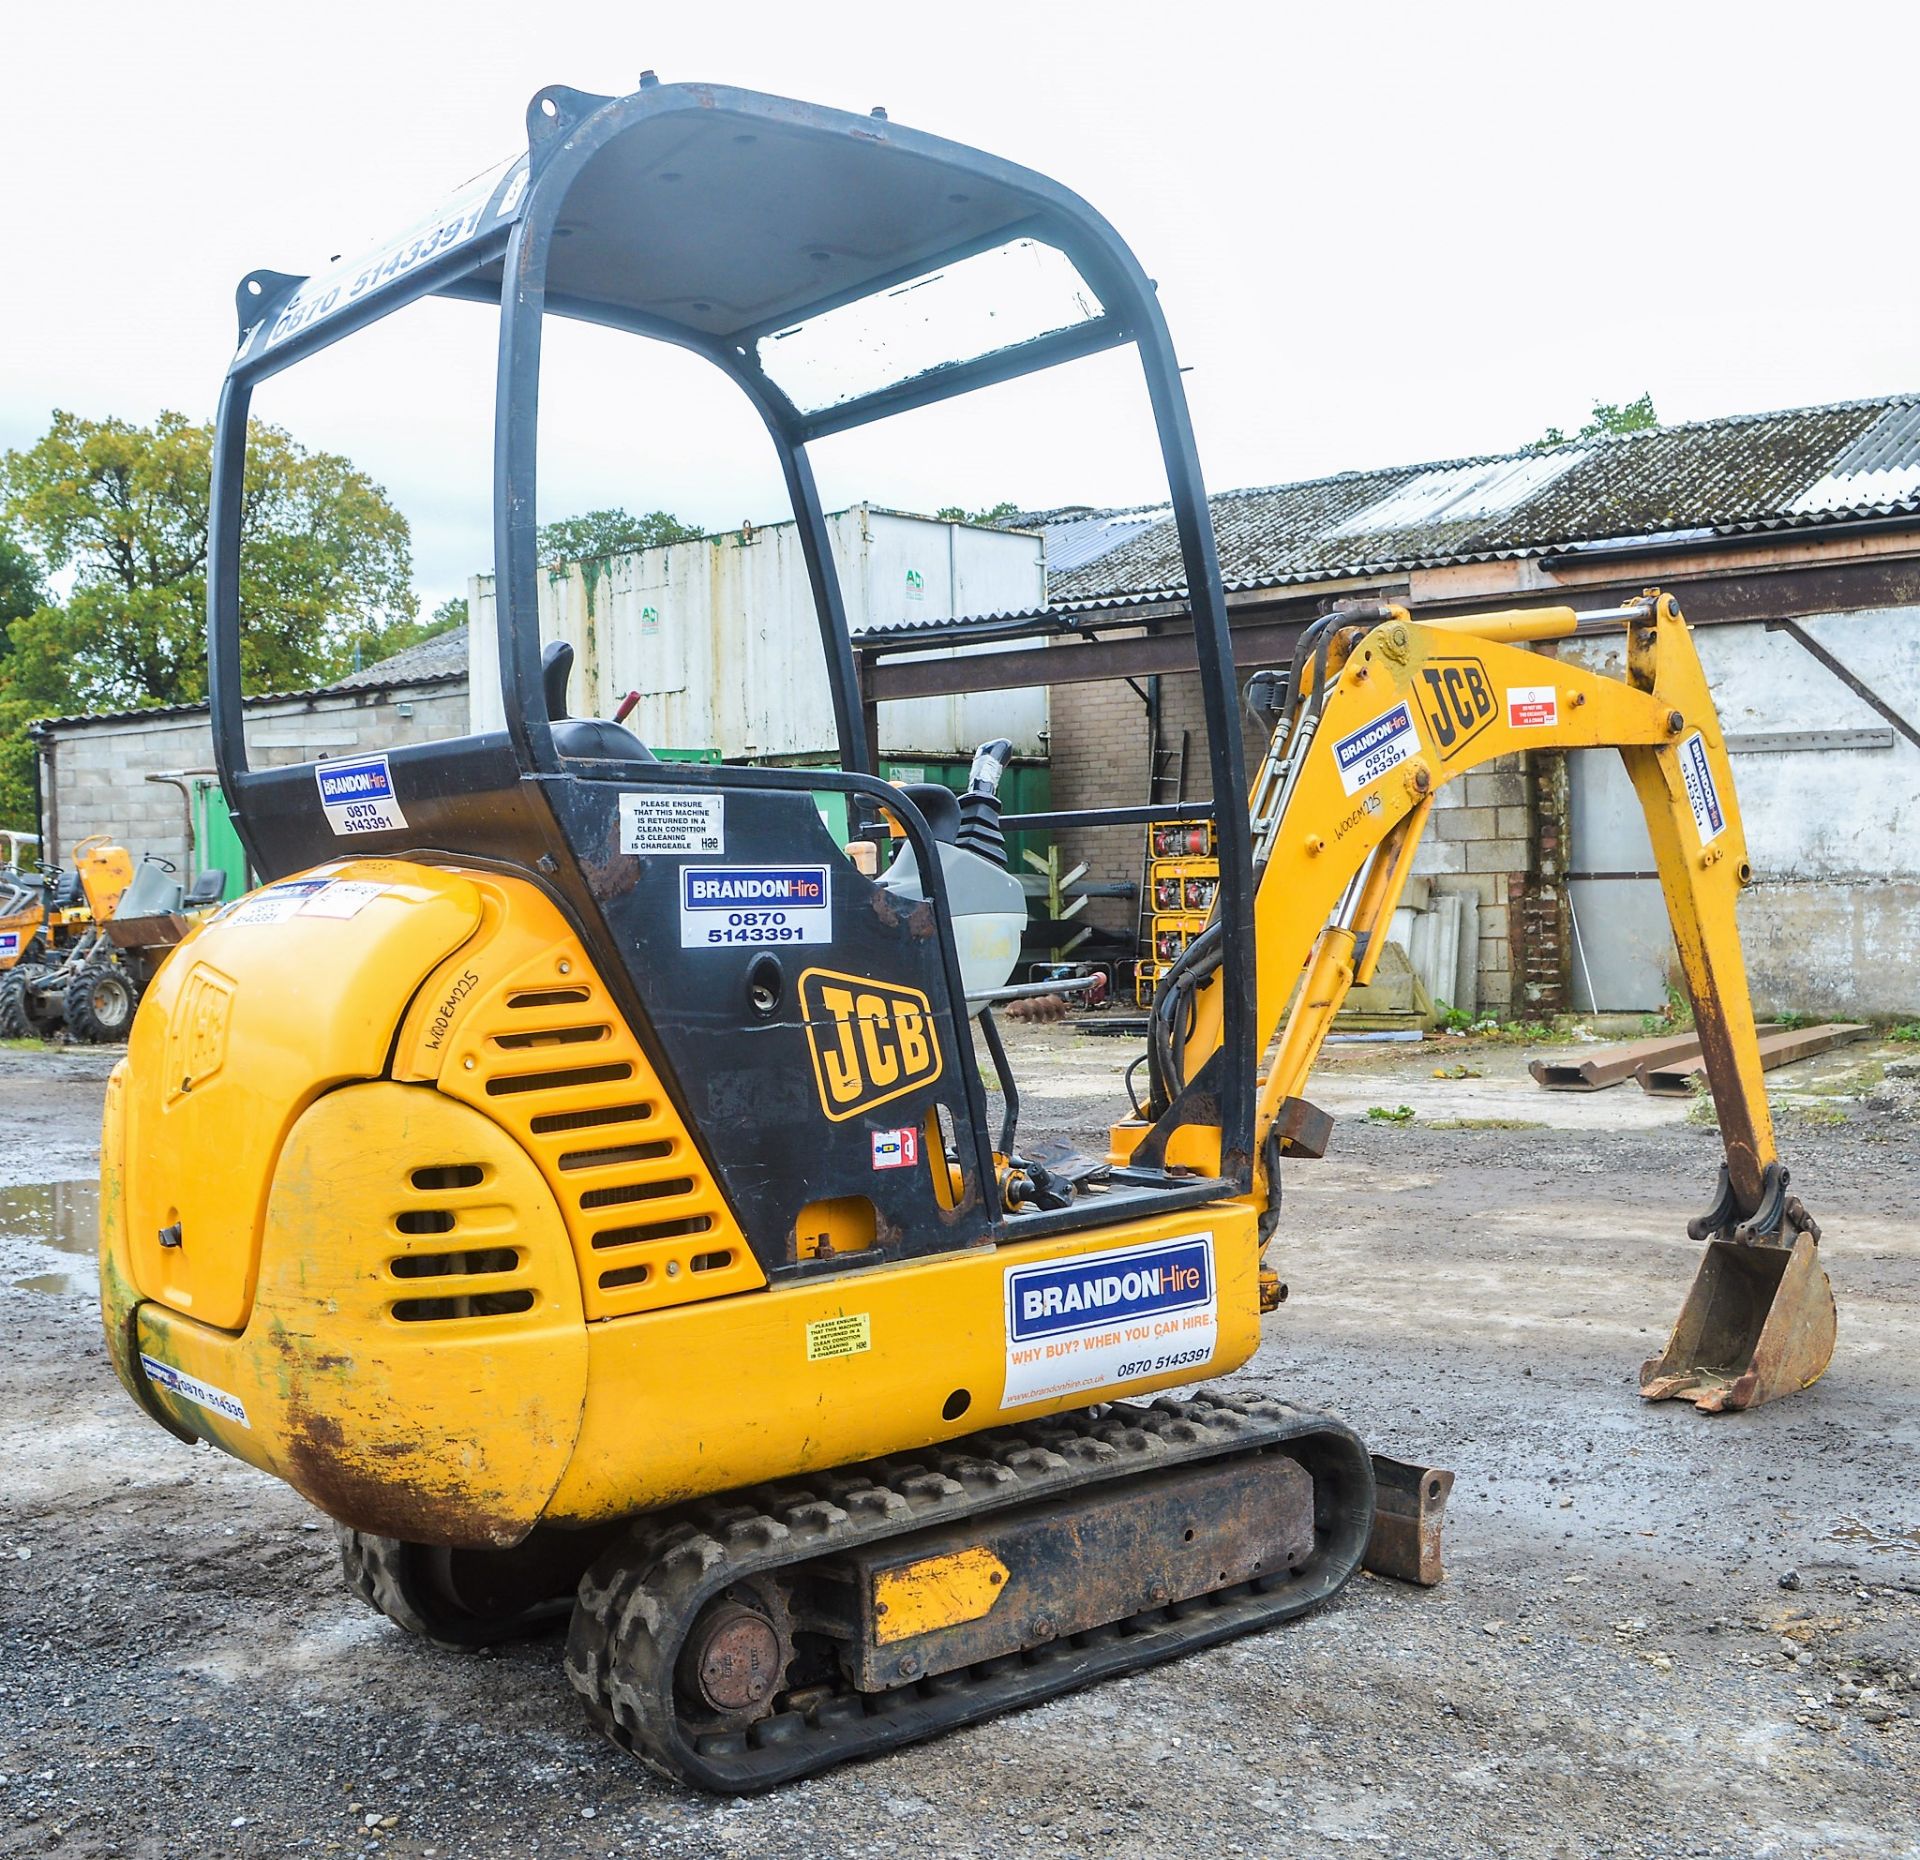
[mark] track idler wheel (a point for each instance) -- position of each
(736, 1658)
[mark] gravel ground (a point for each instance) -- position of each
(1661, 1633)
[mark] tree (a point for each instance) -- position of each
(451, 612)
(1633, 416)
(599, 533)
(997, 513)
(326, 573)
(20, 591)
(326, 567)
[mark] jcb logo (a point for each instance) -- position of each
(871, 1041)
(1456, 702)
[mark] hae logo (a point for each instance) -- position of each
(1071, 1295)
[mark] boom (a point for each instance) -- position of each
(1382, 711)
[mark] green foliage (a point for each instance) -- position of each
(997, 513)
(1675, 1017)
(1908, 1030)
(1452, 1019)
(1632, 416)
(326, 573)
(1380, 1114)
(20, 590)
(451, 612)
(598, 533)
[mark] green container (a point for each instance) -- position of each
(215, 840)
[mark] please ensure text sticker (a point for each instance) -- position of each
(673, 823)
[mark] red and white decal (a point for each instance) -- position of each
(1532, 707)
(896, 1149)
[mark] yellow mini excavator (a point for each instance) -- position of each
(572, 1170)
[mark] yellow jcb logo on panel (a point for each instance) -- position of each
(871, 1041)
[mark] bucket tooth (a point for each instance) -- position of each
(1758, 1324)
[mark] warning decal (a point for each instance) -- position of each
(1702, 796)
(846, 1335)
(1102, 1318)
(1532, 707)
(1369, 752)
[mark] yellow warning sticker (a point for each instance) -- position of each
(846, 1335)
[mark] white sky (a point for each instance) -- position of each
(1383, 233)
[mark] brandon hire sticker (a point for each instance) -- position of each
(1101, 1318)
(1702, 796)
(357, 794)
(188, 1388)
(1370, 751)
(722, 905)
(673, 823)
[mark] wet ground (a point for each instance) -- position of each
(1661, 1634)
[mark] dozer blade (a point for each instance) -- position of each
(1758, 1324)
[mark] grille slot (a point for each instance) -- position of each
(653, 1230)
(513, 1082)
(552, 1036)
(636, 1191)
(616, 1276)
(615, 1153)
(477, 1260)
(424, 1221)
(546, 997)
(711, 1262)
(448, 1175)
(549, 1123)
(475, 1304)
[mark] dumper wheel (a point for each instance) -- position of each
(21, 1016)
(469, 1598)
(100, 1003)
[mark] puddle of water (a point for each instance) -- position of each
(1857, 1531)
(62, 1216)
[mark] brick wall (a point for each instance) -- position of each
(93, 773)
(1098, 756)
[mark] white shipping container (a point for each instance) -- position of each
(720, 640)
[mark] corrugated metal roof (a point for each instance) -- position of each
(1743, 475)
(439, 657)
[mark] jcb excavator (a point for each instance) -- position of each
(572, 1171)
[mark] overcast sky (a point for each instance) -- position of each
(1382, 233)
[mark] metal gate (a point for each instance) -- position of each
(1622, 942)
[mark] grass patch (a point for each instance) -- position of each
(1908, 1031)
(24, 1046)
(1486, 1123)
(1382, 1114)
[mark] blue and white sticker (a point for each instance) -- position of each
(1702, 796)
(1370, 751)
(726, 906)
(191, 1388)
(9, 945)
(1100, 1319)
(357, 794)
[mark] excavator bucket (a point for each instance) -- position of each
(1758, 1324)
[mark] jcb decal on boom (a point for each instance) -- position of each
(871, 1041)
(1456, 701)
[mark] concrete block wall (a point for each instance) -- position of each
(1479, 840)
(93, 772)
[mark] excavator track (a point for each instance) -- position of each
(731, 1566)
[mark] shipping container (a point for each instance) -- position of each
(719, 638)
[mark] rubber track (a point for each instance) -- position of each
(637, 1604)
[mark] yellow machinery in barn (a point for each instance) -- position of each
(572, 1170)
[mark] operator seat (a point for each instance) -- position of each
(584, 737)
